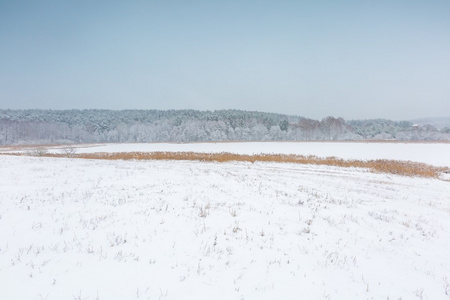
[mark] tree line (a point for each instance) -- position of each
(110, 126)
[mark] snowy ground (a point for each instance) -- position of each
(83, 229)
(431, 153)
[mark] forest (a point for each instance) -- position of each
(36, 126)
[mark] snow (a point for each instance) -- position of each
(97, 229)
(431, 153)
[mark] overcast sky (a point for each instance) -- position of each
(353, 59)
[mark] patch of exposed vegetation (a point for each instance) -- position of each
(405, 168)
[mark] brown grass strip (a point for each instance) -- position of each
(405, 168)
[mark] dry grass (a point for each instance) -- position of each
(405, 168)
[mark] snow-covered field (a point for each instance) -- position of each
(431, 153)
(97, 229)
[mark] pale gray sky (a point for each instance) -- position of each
(354, 59)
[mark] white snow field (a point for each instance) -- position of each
(98, 229)
(437, 154)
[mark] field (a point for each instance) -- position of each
(429, 153)
(191, 229)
